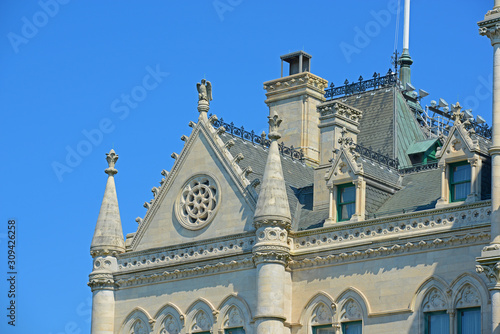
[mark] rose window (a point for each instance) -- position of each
(198, 202)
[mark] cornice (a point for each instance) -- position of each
(390, 249)
(134, 279)
(392, 219)
(187, 253)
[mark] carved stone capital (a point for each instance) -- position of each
(279, 223)
(268, 256)
(101, 281)
(492, 31)
(492, 272)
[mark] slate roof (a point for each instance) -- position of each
(420, 192)
(297, 175)
(379, 171)
(381, 109)
(376, 126)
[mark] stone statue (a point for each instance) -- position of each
(204, 91)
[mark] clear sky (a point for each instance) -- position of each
(78, 78)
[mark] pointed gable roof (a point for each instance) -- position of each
(108, 234)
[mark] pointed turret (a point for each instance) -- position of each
(108, 235)
(273, 201)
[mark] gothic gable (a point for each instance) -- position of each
(206, 195)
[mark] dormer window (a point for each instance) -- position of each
(460, 180)
(346, 201)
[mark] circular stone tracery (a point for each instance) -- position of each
(198, 202)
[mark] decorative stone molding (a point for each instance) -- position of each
(271, 223)
(134, 279)
(304, 78)
(390, 249)
(339, 109)
(101, 281)
(351, 311)
(104, 252)
(270, 256)
(198, 202)
(321, 315)
(434, 301)
(233, 318)
(472, 214)
(192, 252)
(468, 297)
(170, 325)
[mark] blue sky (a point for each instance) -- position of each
(81, 77)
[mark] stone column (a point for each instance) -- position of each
(490, 27)
(491, 268)
(451, 314)
(103, 296)
(271, 254)
(489, 261)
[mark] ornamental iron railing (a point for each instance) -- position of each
(482, 130)
(376, 156)
(418, 167)
(252, 137)
(390, 79)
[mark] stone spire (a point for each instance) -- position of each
(108, 235)
(273, 201)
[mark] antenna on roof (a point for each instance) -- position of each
(405, 59)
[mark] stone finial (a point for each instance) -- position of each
(111, 158)
(274, 124)
(457, 114)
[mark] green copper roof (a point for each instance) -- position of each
(407, 130)
(421, 146)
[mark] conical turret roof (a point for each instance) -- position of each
(272, 203)
(108, 235)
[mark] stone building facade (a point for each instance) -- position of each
(375, 221)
